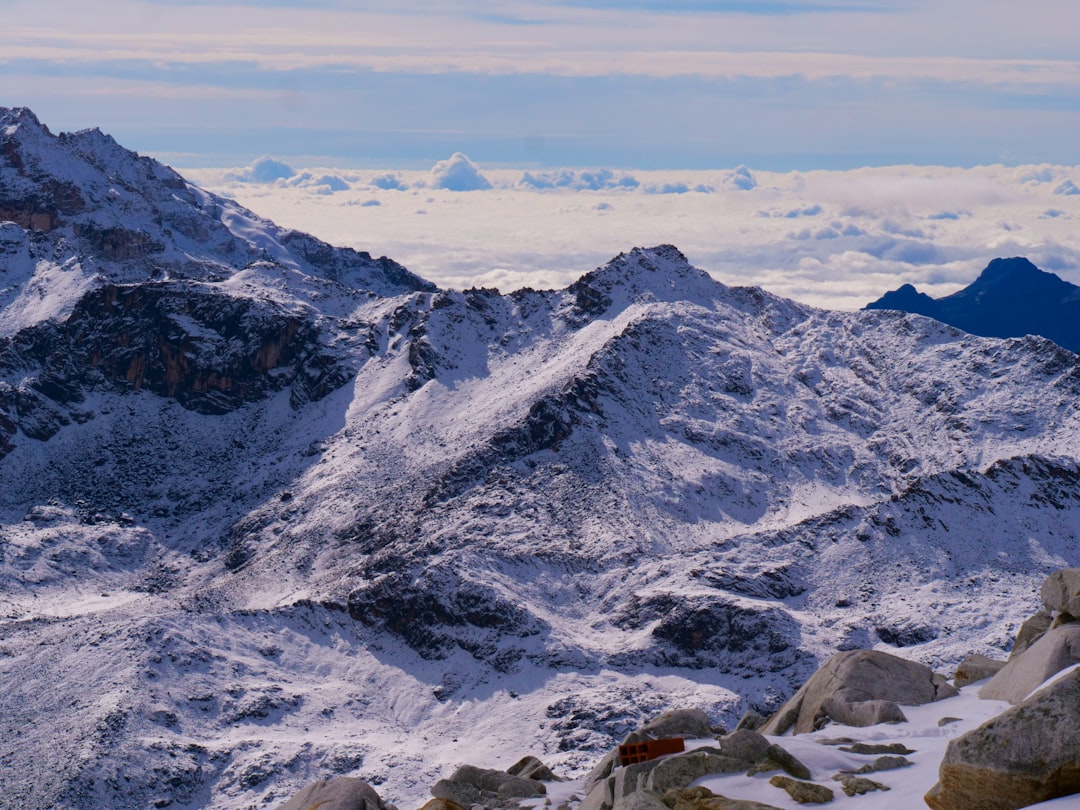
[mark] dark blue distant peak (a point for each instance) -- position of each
(1010, 298)
(907, 299)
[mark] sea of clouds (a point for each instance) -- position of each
(836, 239)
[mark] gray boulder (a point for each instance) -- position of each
(470, 785)
(752, 721)
(1029, 753)
(743, 744)
(777, 758)
(1055, 651)
(803, 792)
(686, 723)
(532, 768)
(600, 796)
(976, 668)
(602, 770)
(1031, 631)
(342, 793)
(859, 688)
(857, 785)
(641, 800)
(680, 771)
(1061, 592)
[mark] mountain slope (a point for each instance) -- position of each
(1010, 298)
(263, 527)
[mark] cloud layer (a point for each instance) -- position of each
(832, 239)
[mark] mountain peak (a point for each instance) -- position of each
(907, 299)
(1016, 266)
(12, 118)
(120, 217)
(1010, 298)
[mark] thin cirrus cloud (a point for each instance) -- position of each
(627, 83)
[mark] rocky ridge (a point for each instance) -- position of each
(294, 513)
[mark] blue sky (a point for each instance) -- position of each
(776, 85)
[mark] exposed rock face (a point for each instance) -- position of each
(209, 351)
(859, 688)
(1055, 651)
(975, 668)
(342, 793)
(1028, 754)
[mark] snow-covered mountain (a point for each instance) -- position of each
(272, 510)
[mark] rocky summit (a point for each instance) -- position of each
(274, 512)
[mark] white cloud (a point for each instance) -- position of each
(264, 170)
(457, 174)
(833, 239)
(579, 179)
(388, 181)
(740, 178)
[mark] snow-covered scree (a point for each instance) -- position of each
(367, 527)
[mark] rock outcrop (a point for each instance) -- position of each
(859, 688)
(1028, 754)
(470, 785)
(975, 668)
(1060, 593)
(342, 793)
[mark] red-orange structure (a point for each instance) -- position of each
(649, 749)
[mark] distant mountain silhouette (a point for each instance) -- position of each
(1010, 298)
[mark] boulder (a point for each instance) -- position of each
(532, 768)
(1055, 651)
(692, 723)
(342, 793)
(859, 688)
(601, 796)
(1031, 631)
(442, 804)
(1029, 753)
(680, 771)
(470, 785)
(857, 785)
(752, 721)
(780, 758)
(1061, 592)
(976, 668)
(803, 792)
(641, 800)
(877, 748)
(744, 744)
(887, 763)
(701, 798)
(602, 770)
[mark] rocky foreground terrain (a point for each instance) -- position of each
(273, 511)
(1026, 754)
